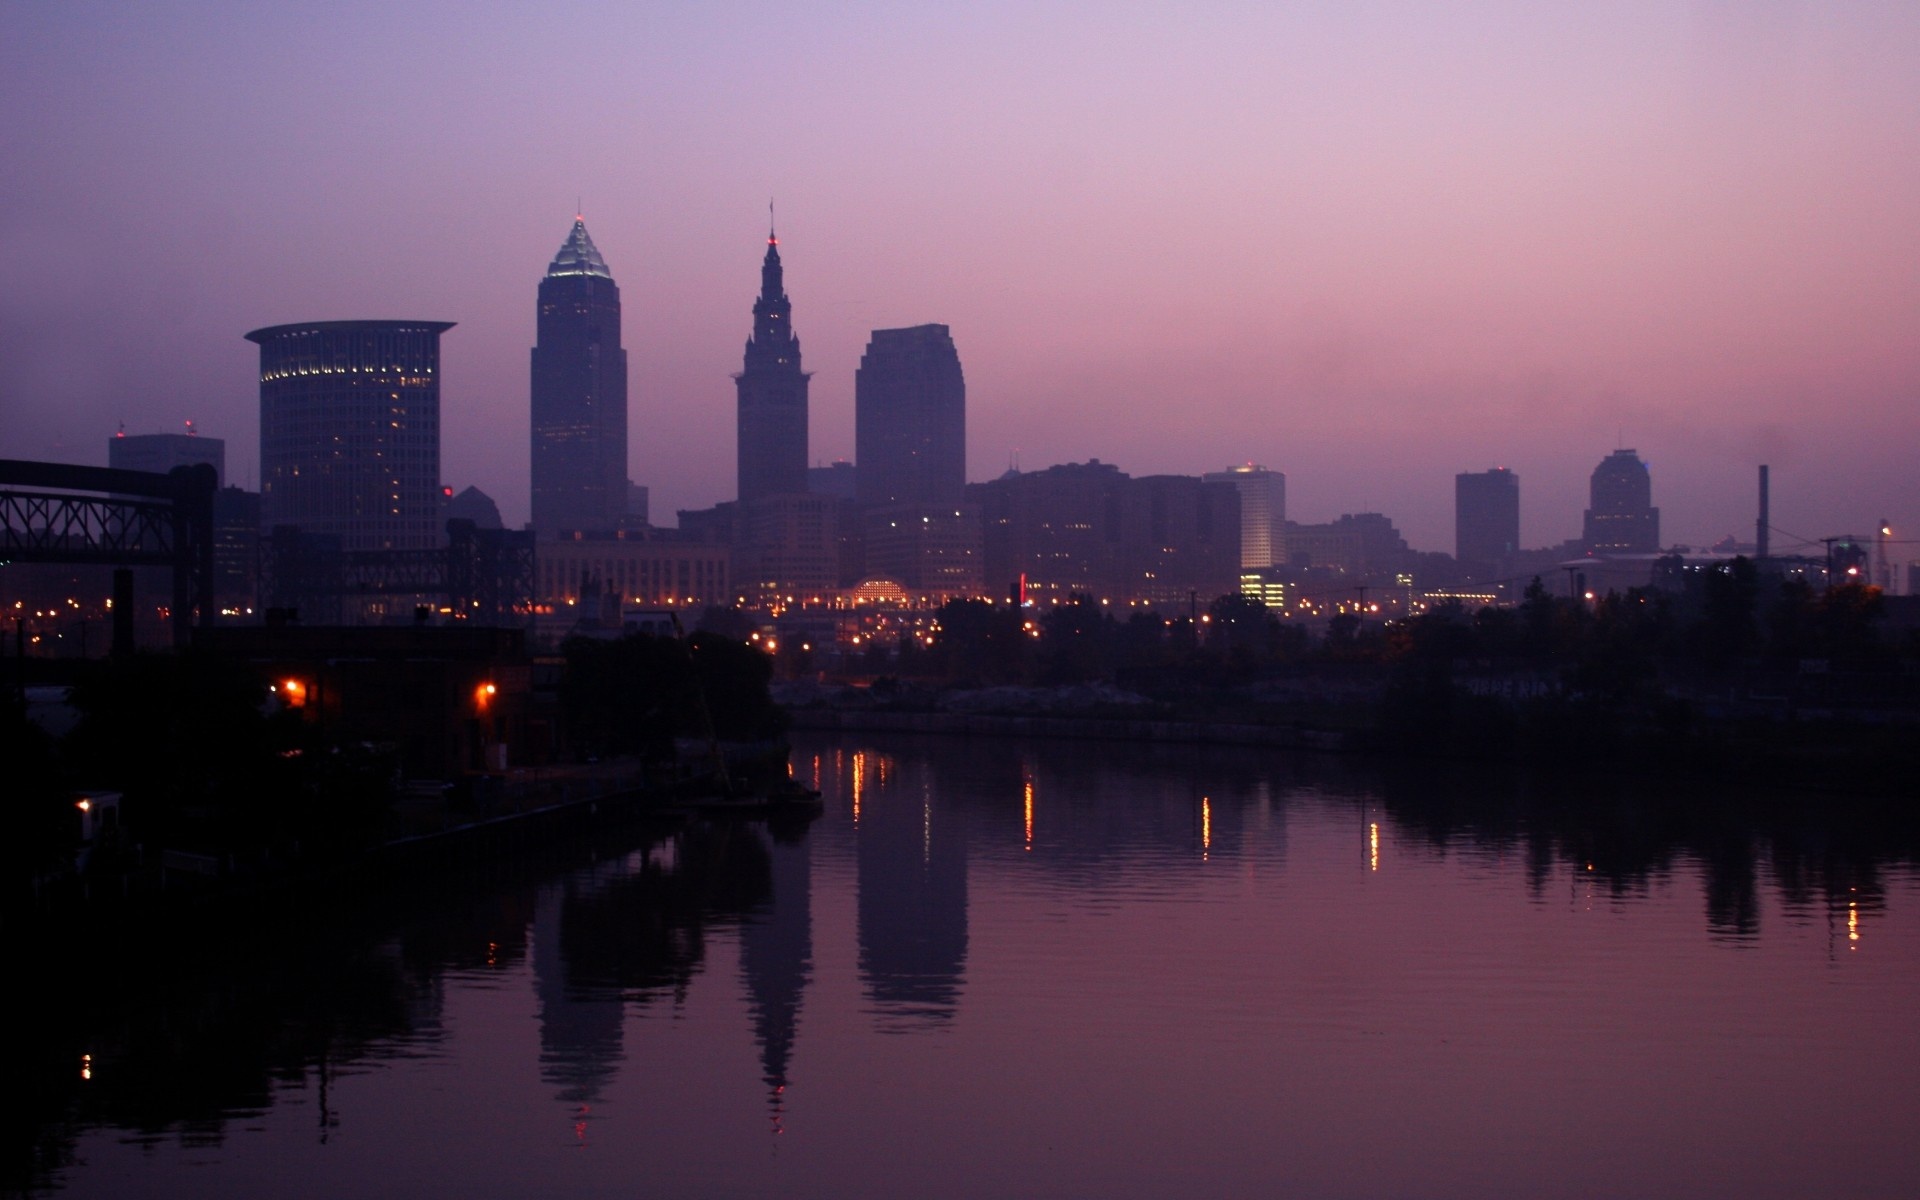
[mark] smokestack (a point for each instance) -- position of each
(1760, 526)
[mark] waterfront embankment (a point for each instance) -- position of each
(1076, 728)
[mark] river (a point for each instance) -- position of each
(1002, 968)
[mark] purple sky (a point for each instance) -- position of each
(1367, 245)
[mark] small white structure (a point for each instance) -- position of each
(99, 815)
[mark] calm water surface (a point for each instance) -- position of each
(996, 968)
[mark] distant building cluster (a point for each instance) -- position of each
(353, 523)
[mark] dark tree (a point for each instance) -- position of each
(634, 694)
(1075, 640)
(732, 677)
(1729, 601)
(1242, 631)
(725, 620)
(978, 642)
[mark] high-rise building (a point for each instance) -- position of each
(1357, 544)
(471, 505)
(1621, 518)
(932, 552)
(579, 394)
(1058, 528)
(772, 393)
(236, 549)
(1486, 519)
(1159, 541)
(350, 431)
(786, 548)
(162, 452)
(1263, 513)
(910, 418)
(1180, 540)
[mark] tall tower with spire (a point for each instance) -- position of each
(579, 394)
(772, 393)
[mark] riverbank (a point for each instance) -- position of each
(434, 832)
(1820, 752)
(1077, 728)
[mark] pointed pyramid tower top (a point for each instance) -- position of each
(578, 255)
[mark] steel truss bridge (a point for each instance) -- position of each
(61, 513)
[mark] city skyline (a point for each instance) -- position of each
(1371, 249)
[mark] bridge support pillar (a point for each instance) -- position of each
(122, 612)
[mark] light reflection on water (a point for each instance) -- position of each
(1011, 969)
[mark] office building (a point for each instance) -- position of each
(1056, 529)
(1180, 541)
(1263, 513)
(838, 478)
(471, 505)
(350, 431)
(934, 554)
(786, 549)
(634, 570)
(1360, 545)
(1621, 518)
(1486, 519)
(579, 394)
(1160, 541)
(162, 452)
(772, 394)
(236, 550)
(910, 418)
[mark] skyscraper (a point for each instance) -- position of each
(1621, 518)
(579, 394)
(910, 418)
(1263, 513)
(350, 431)
(1486, 518)
(772, 393)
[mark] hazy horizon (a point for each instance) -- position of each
(1370, 246)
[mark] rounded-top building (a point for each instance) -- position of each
(350, 431)
(1621, 517)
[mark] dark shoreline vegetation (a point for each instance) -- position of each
(1726, 676)
(228, 793)
(1726, 673)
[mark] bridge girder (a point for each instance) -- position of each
(142, 519)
